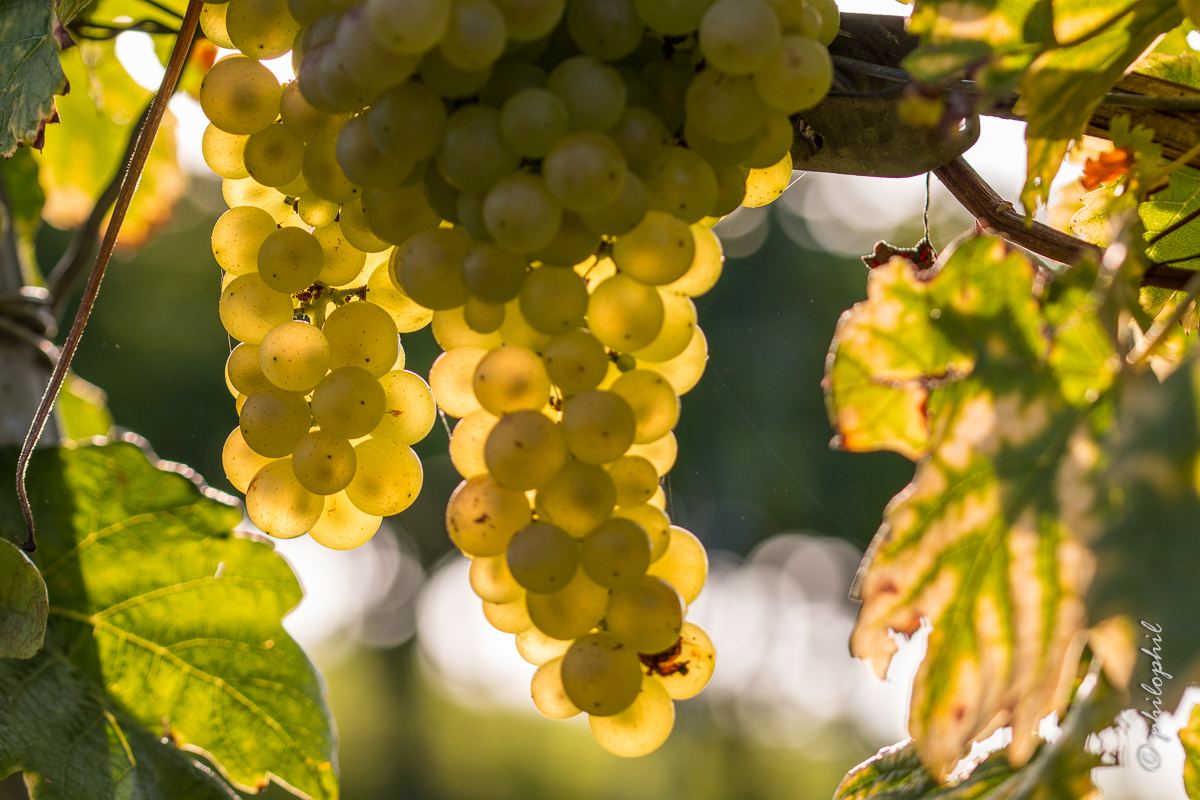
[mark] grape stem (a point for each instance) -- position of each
(129, 182)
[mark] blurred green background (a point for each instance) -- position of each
(754, 461)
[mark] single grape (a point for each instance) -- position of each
(657, 251)
(646, 615)
(348, 402)
(546, 688)
(474, 155)
(511, 378)
(685, 669)
(706, 265)
(295, 356)
(240, 95)
(520, 213)
(623, 214)
(554, 300)
(725, 107)
(249, 192)
(493, 274)
(524, 450)
(537, 648)
(342, 262)
(601, 674)
(362, 334)
(448, 80)
(289, 260)
(830, 20)
(475, 36)
(279, 505)
(625, 314)
(738, 35)
(241, 463)
(362, 161)
(598, 426)
(483, 318)
(451, 378)
(409, 28)
(323, 463)
(343, 526)
(642, 727)
(654, 522)
(660, 453)
(731, 189)
(644, 139)
(273, 156)
(237, 237)
(577, 499)
(543, 557)
(683, 371)
(764, 185)
(684, 565)
(409, 410)
(605, 29)
(672, 17)
(575, 242)
(616, 553)
(388, 478)
(686, 186)
(585, 170)
(482, 517)
(324, 175)
(655, 404)
(571, 611)
(212, 23)
(575, 361)
(306, 12)
(430, 268)
(508, 617)
(261, 29)
(634, 479)
(243, 370)
(407, 122)
(532, 120)
(467, 443)
(591, 90)
(527, 20)
(677, 332)
(273, 421)
(223, 152)
(491, 580)
(249, 308)
(796, 76)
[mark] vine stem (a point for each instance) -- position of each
(133, 172)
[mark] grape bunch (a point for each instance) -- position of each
(537, 179)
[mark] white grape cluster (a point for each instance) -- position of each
(538, 179)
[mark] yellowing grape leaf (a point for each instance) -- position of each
(23, 604)
(160, 617)
(30, 74)
(987, 541)
(84, 150)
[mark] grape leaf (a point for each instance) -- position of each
(1172, 207)
(986, 541)
(25, 195)
(22, 604)
(83, 409)
(30, 74)
(173, 618)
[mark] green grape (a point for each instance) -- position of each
(491, 580)
(634, 479)
(605, 29)
(642, 727)
(571, 611)
(362, 162)
(362, 334)
(241, 463)
(660, 453)
(508, 617)
(598, 426)
(212, 23)
(764, 185)
(406, 313)
(658, 251)
(240, 95)
(237, 237)
(667, 82)
(451, 330)
(443, 197)
(223, 152)
(575, 361)
(731, 189)
(273, 421)
(686, 186)
(273, 156)
(324, 175)
(306, 12)
(623, 214)
(537, 648)
(450, 81)
(409, 28)
(577, 499)
(409, 410)
(467, 443)
(527, 20)
(774, 143)
(654, 522)
(575, 242)
(601, 674)
(343, 526)
(261, 29)
(429, 268)
(830, 20)
(353, 222)
(738, 35)
(616, 553)
(520, 213)
(683, 371)
(585, 170)
(474, 155)
(696, 656)
(678, 328)
(407, 122)
(290, 260)
(243, 370)
(305, 122)
(646, 615)
(724, 107)
(655, 404)
(475, 36)
(398, 213)
(684, 565)
(511, 378)
(721, 154)
(295, 356)
(644, 139)
(524, 450)
(554, 300)
(316, 212)
(482, 516)
(360, 59)
(532, 120)
(493, 274)
(483, 317)
(348, 402)
(515, 330)
(388, 478)
(706, 266)
(279, 505)
(672, 17)
(542, 557)
(249, 308)
(294, 188)
(342, 263)
(592, 91)
(625, 314)
(796, 76)
(451, 378)
(323, 463)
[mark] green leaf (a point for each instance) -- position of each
(23, 604)
(83, 409)
(985, 542)
(174, 618)
(896, 773)
(25, 195)
(1170, 207)
(30, 74)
